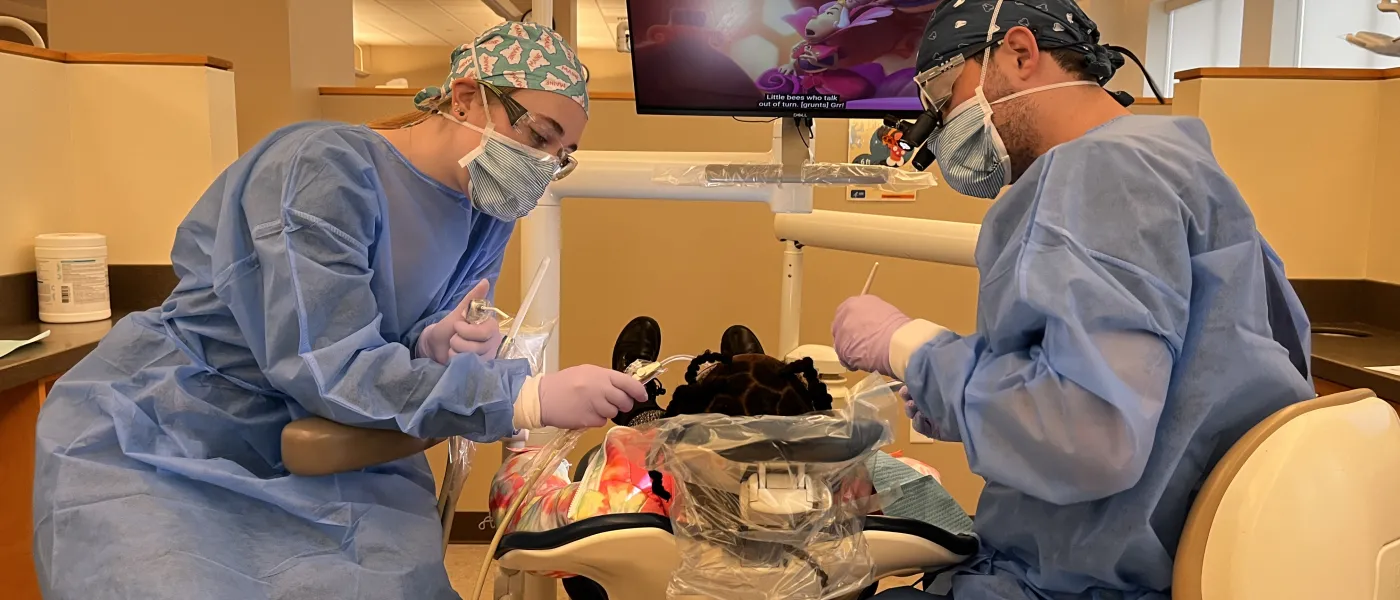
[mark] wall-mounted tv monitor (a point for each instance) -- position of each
(776, 58)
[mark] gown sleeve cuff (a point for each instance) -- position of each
(907, 340)
(527, 405)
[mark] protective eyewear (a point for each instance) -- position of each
(936, 84)
(538, 133)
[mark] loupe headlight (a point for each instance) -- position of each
(907, 137)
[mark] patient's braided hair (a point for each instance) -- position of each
(746, 385)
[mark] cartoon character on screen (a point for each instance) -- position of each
(884, 149)
(847, 47)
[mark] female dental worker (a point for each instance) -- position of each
(324, 273)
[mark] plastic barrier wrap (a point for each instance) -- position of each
(821, 174)
(529, 343)
(770, 507)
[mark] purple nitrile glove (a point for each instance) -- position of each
(922, 424)
(436, 340)
(586, 396)
(863, 329)
(482, 339)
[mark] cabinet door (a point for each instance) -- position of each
(19, 411)
(1327, 388)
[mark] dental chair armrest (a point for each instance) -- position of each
(786, 439)
(313, 447)
(579, 530)
(961, 545)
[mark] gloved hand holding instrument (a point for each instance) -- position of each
(581, 402)
(581, 396)
(457, 334)
(864, 332)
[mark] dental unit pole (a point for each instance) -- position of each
(924, 240)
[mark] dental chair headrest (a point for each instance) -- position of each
(812, 439)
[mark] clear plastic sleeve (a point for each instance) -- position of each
(885, 178)
(460, 452)
(529, 343)
(770, 507)
(876, 397)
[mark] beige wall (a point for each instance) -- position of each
(146, 141)
(608, 70)
(33, 186)
(1384, 263)
(282, 49)
(1310, 182)
(122, 150)
(421, 65)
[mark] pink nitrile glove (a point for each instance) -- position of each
(922, 424)
(863, 330)
(586, 396)
(436, 340)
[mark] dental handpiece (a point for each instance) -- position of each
(478, 311)
(647, 371)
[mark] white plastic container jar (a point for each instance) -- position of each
(72, 272)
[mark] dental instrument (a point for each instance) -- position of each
(870, 279)
(646, 372)
(478, 311)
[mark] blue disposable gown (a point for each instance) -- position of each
(307, 271)
(1125, 339)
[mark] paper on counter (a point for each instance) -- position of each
(1393, 370)
(8, 346)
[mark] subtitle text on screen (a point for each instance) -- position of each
(802, 102)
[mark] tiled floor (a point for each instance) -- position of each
(464, 562)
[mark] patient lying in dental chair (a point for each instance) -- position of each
(740, 380)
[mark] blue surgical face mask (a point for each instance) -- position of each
(970, 152)
(971, 155)
(507, 178)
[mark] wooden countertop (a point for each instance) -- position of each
(1342, 351)
(66, 345)
(1292, 73)
(116, 58)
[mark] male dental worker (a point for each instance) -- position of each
(1132, 322)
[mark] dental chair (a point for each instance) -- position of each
(1303, 506)
(633, 556)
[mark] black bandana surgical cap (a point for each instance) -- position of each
(959, 25)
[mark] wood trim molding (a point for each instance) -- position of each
(366, 91)
(1171, 5)
(1289, 73)
(115, 58)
